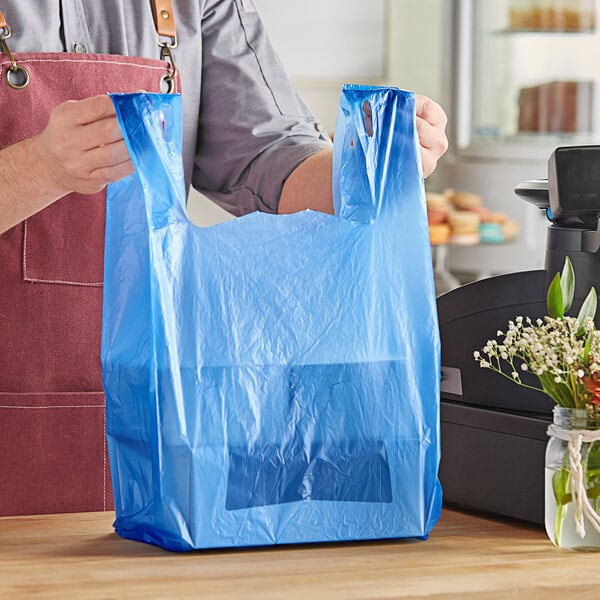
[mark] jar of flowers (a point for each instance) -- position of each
(559, 355)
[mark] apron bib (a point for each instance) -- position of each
(53, 454)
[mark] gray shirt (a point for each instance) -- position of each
(244, 126)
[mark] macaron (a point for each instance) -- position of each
(495, 217)
(467, 200)
(491, 233)
(435, 216)
(464, 221)
(464, 239)
(436, 201)
(510, 229)
(439, 234)
(483, 212)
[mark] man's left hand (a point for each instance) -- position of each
(431, 127)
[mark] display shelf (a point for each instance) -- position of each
(444, 279)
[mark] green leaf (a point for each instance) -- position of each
(593, 492)
(593, 461)
(560, 485)
(588, 309)
(567, 284)
(558, 391)
(555, 298)
(588, 345)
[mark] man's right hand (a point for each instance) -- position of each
(80, 150)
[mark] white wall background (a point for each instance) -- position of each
(329, 39)
(410, 56)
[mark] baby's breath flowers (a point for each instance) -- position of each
(558, 355)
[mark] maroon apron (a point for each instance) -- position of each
(53, 454)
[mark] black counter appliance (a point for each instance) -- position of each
(494, 431)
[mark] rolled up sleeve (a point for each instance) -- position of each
(254, 129)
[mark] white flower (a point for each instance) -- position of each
(548, 347)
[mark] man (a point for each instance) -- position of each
(249, 143)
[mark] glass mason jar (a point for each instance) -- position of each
(572, 479)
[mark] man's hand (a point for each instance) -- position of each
(309, 185)
(431, 127)
(82, 148)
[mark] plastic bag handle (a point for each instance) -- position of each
(376, 149)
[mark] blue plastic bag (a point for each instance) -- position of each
(272, 379)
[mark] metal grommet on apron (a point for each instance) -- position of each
(167, 80)
(53, 455)
(17, 76)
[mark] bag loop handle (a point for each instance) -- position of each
(376, 135)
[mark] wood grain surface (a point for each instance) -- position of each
(79, 556)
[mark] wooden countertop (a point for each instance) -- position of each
(79, 556)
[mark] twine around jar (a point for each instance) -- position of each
(581, 504)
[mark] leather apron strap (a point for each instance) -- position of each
(164, 19)
(164, 23)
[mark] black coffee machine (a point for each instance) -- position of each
(493, 431)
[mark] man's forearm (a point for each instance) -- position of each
(22, 191)
(309, 185)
